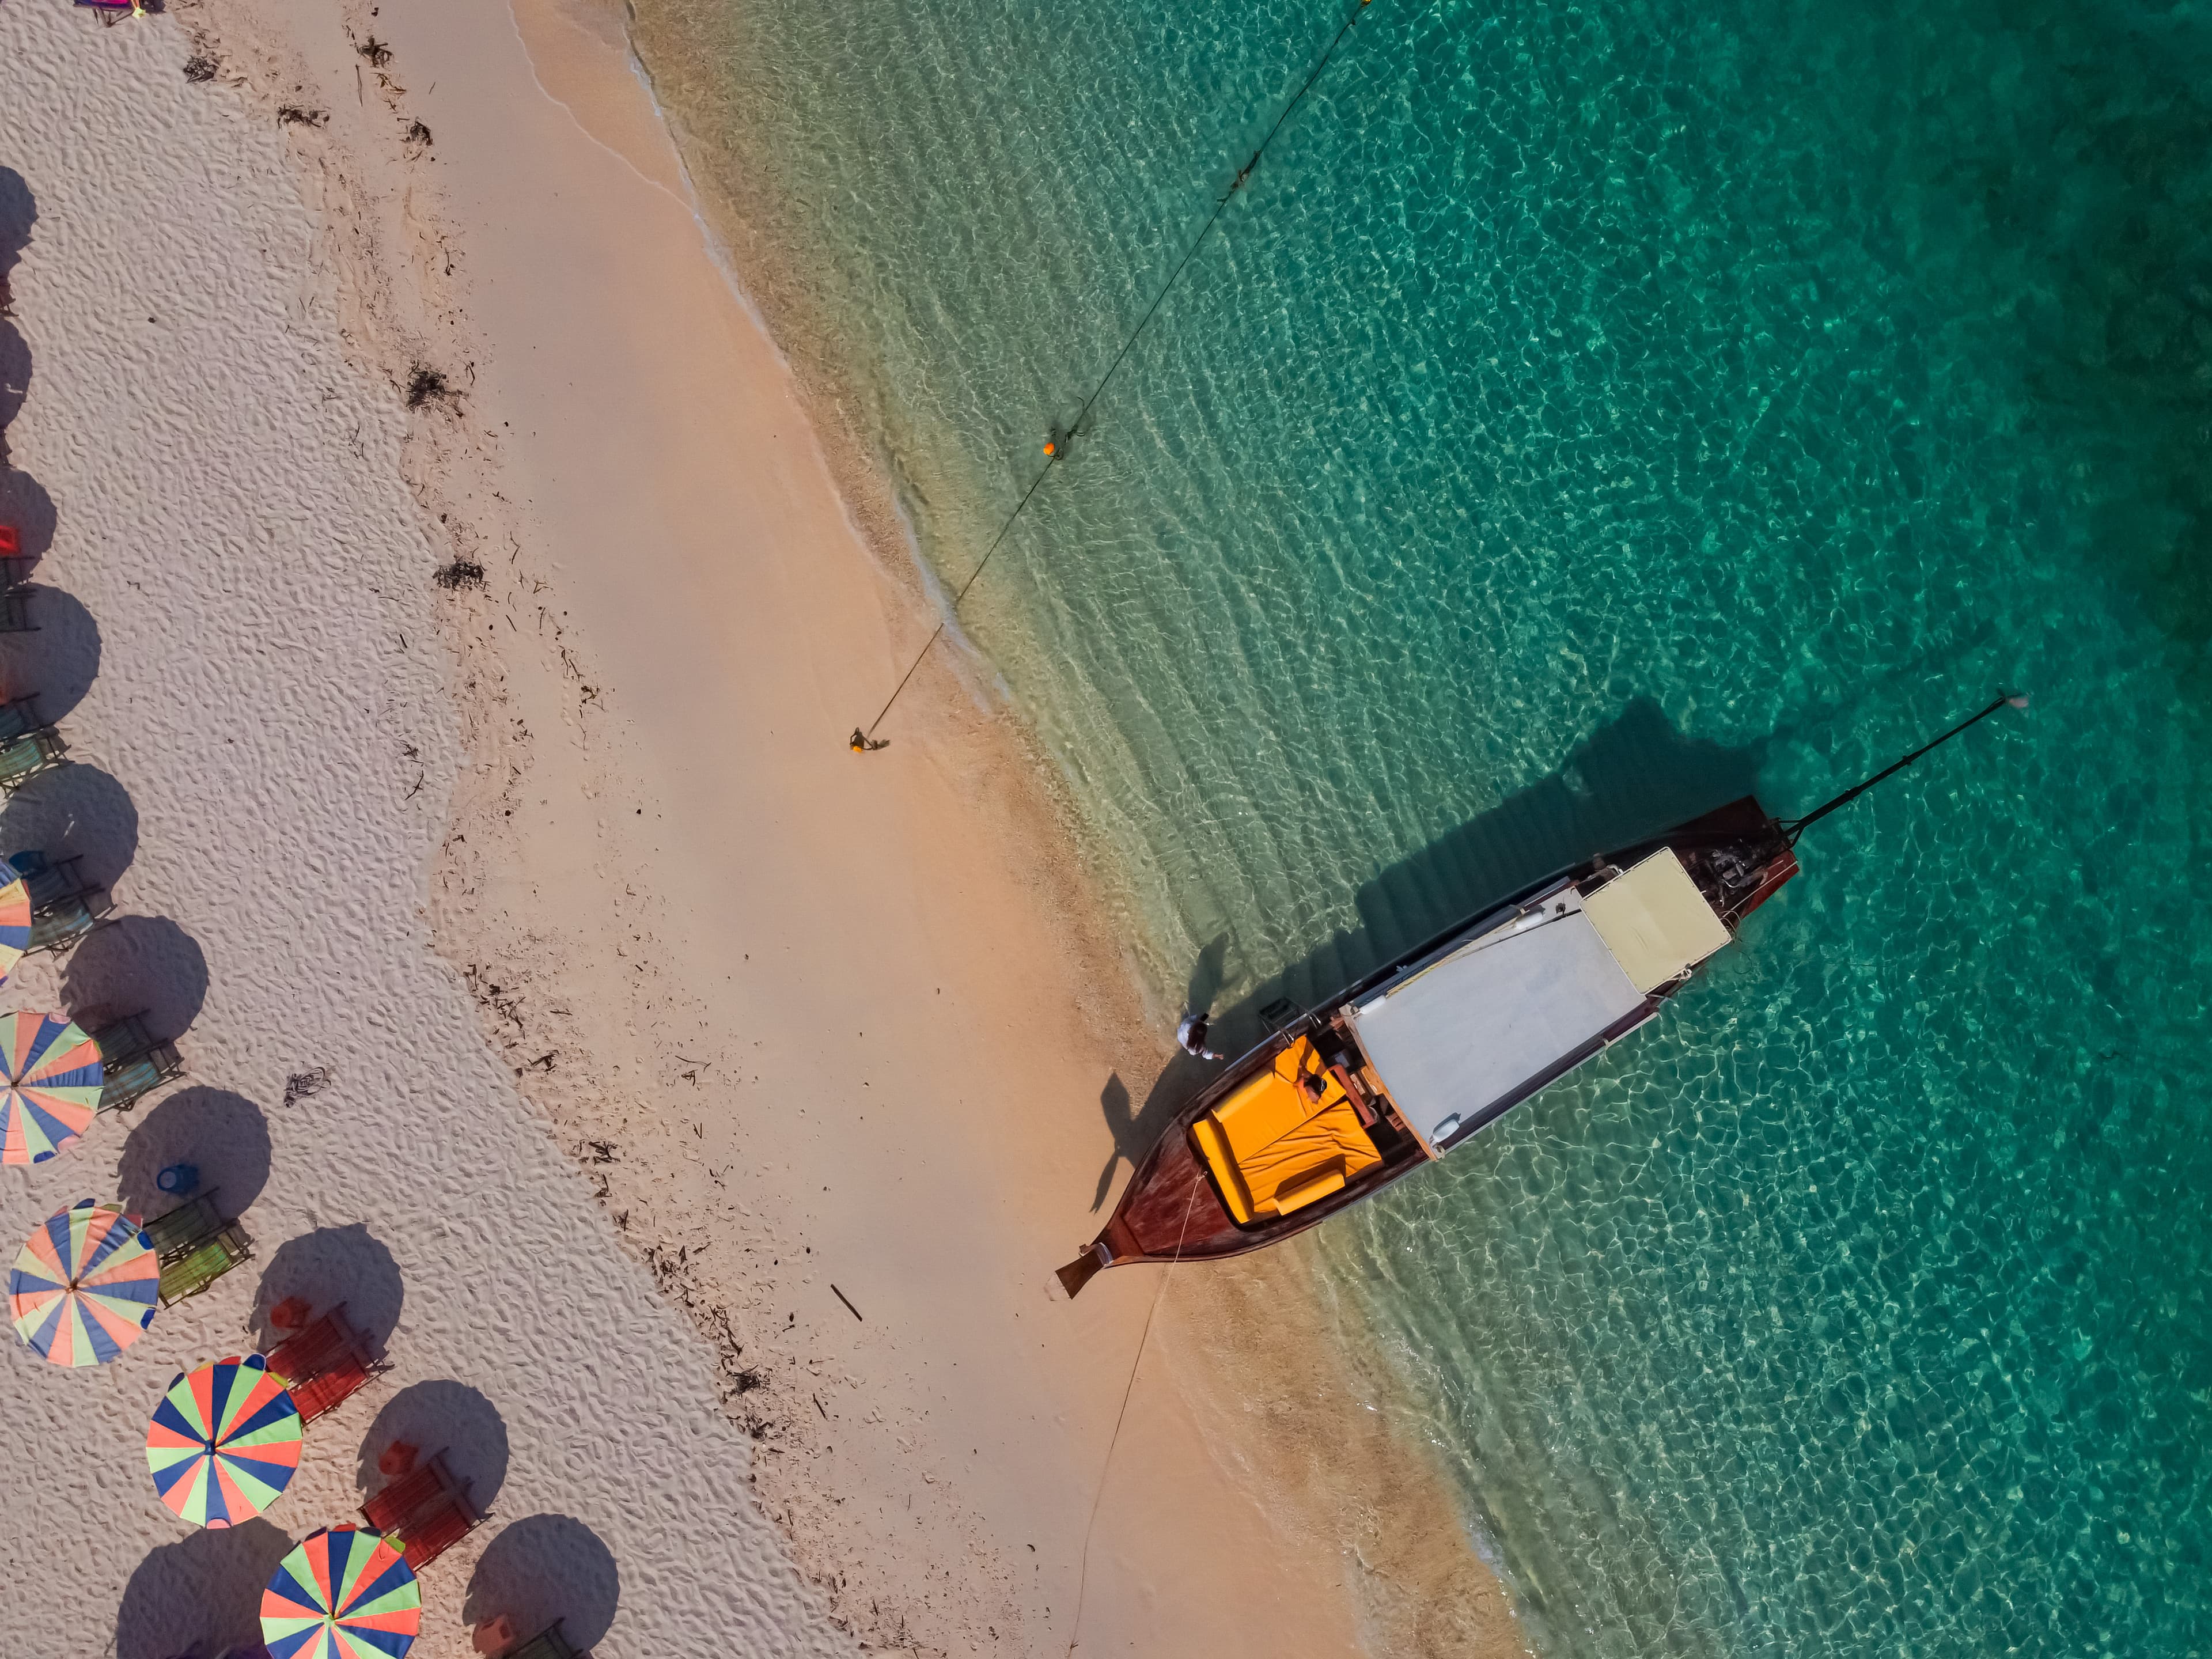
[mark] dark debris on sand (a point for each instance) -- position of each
(460, 573)
(425, 384)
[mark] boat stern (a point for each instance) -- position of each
(1081, 1271)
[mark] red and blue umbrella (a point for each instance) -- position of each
(50, 1083)
(343, 1593)
(84, 1284)
(224, 1442)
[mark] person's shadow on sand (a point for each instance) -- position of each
(1134, 1132)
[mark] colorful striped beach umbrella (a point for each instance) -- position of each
(53, 1077)
(343, 1593)
(15, 918)
(224, 1442)
(84, 1284)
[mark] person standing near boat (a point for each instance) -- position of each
(1191, 1034)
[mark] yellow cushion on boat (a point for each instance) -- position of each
(1214, 1146)
(1273, 1149)
(1320, 1184)
(1282, 1177)
(1273, 1104)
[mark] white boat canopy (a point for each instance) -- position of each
(1457, 1038)
(1656, 922)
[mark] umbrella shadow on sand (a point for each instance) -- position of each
(75, 811)
(15, 377)
(442, 1416)
(143, 965)
(546, 1567)
(222, 1135)
(327, 1267)
(18, 210)
(25, 504)
(200, 1595)
(57, 661)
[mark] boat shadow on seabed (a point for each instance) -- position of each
(1632, 777)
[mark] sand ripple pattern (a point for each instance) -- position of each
(227, 505)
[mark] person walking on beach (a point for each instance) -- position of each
(862, 743)
(1191, 1034)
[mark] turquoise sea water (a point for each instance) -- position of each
(1588, 412)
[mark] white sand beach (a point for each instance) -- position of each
(707, 1107)
(237, 640)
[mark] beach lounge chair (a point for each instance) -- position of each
(548, 1643)
(65, 908)
(196, 1244)
(60, 926)
(426, 1538)
(389, 1508)
(15, 568)
(176, 1232)
(133, 1063)
(426, 1509)
(19, 719)
(332, 1387)
(48, 879)
(32, 753)
(323, 1365)
(15, 608)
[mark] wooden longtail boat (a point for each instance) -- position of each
(1432, 1048)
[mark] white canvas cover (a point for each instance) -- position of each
(1481, 1022)
(1654, 921)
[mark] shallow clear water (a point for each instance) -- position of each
(1587, 414)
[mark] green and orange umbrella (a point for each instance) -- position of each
(15, 917)
(50, 1082)
(343, 1593)
(84, 1285)
(224, 1442)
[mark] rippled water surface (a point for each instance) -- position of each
(1586, 413)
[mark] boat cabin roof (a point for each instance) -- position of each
(1489, 1019)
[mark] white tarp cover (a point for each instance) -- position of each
(1654, 921)
(1480, 1022)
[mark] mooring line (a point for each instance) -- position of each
(1058, 449)
(1144, 1339)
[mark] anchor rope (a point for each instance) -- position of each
(1128, 345)
(1098, 1497)
(1793, 828)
